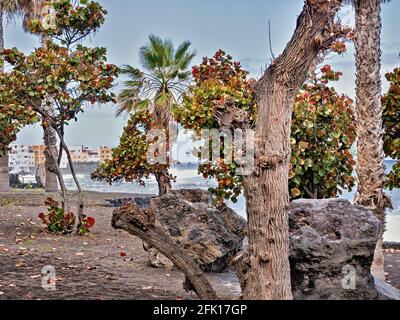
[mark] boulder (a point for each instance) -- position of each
(211, 236)
(332, 245)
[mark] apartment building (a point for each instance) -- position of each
(105, 153)
(21, 159)
(24, 158)
(39, 154)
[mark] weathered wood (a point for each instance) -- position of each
(142, 223)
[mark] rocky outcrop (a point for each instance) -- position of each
(210, 236)
(332, 244)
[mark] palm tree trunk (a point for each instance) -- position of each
(370, 154)
(4, 177)
(164, 183)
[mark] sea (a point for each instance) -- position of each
(188, 178)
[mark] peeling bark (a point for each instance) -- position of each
(370, 153)
(142, 223)
(266, 191)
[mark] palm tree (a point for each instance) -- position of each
(159, 87)
(29, 9)
(370, 154)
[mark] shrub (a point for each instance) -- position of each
(59, 222)
(56, 220)
(323, 128)
(391, 125)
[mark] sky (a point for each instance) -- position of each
(240, 27)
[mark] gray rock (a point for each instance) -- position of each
(211, 236)
(332, 244)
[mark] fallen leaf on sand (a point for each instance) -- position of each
(20, 264)
(147, 288)
(128, 260)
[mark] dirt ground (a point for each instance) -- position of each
(107, 264)
(392, 266)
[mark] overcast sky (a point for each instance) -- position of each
(236, 26)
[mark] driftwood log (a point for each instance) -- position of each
(142, 223)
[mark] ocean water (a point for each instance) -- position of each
(187, 178)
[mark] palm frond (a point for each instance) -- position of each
(166, 76)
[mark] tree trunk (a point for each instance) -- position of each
(164, 186)
(73, 173)
(164, 183)
(370, 154)
(1, 32)
(51, 180)
(51, 184)
(4, 177)
(142, 223)
(51, 158)
(266, 191)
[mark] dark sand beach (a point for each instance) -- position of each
(107, 264)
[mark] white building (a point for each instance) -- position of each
(21, 159)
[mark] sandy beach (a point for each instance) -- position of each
(107, 264)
